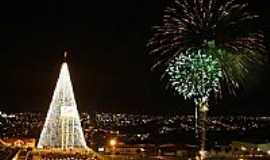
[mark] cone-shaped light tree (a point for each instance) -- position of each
(203, 44)
(62, 128)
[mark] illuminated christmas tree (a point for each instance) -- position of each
(62, 128)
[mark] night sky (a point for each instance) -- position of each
(108, 58)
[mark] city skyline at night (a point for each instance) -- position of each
(139, 79)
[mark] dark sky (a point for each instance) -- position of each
(108, 62)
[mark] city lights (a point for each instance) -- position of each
(113, 142)
(153, 79)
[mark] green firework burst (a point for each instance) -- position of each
(195, 74)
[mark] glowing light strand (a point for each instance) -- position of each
(62, 128)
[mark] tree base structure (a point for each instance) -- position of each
(71, 153)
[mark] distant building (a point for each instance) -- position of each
(250, 147)
(130, 149)
(19, 142)
(247, 150)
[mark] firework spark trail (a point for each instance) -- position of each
(193, 24)
(203, 43)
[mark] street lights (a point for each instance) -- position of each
(113, 143)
